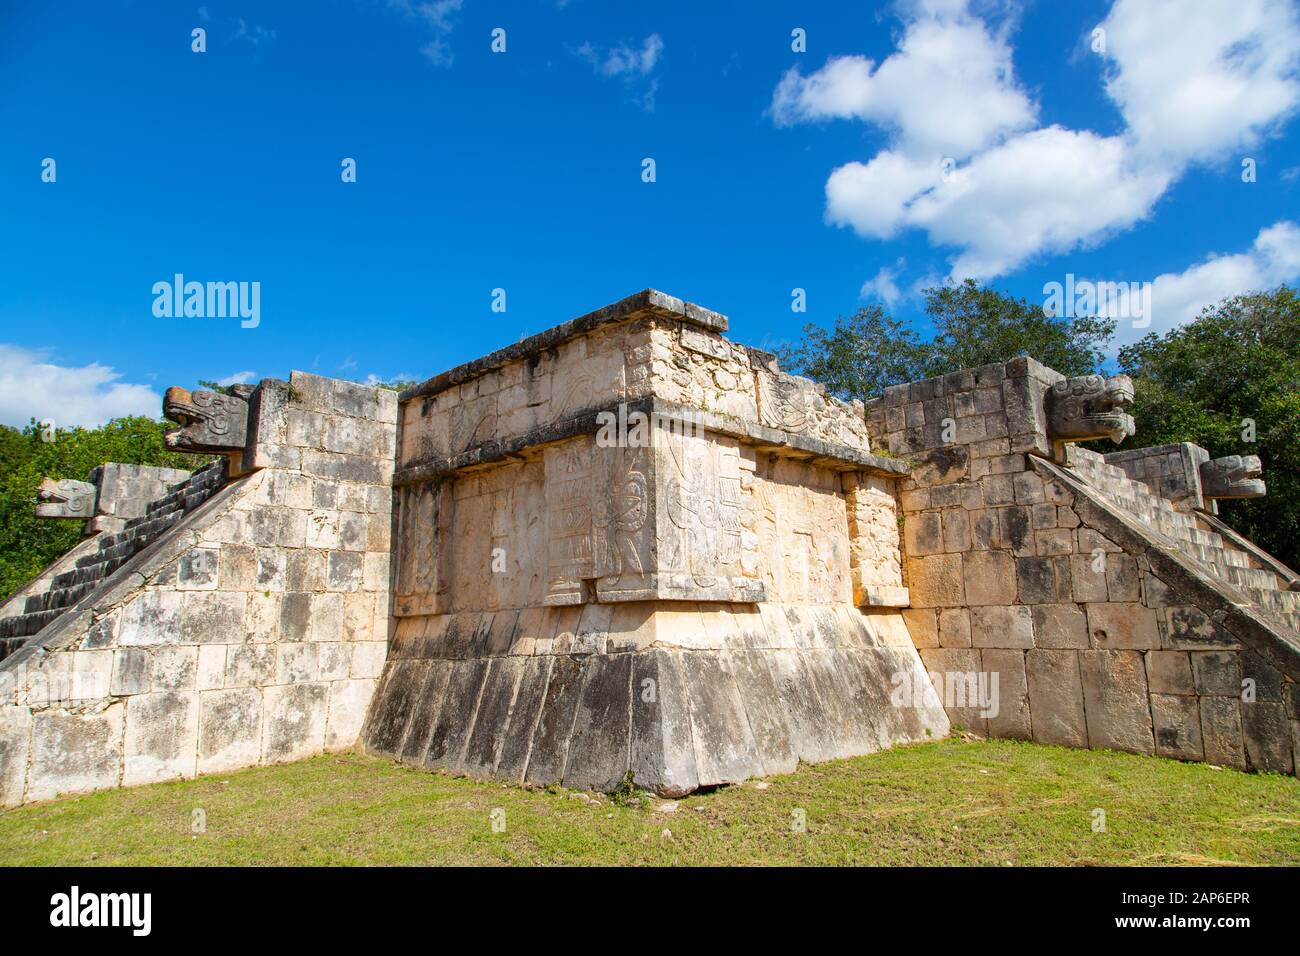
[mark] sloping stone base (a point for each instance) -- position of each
(676, 718)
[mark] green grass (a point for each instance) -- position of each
(945, 802)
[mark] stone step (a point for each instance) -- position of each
(1188, 536)
(1288, 602)
(114, 551)
(66, 597)
(25, 625)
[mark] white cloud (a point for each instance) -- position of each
(948, 91)
(1189, 87)
(884, 287)
(632, 65)
(31, 387)
(1194, 80)
(1050, 190)
(238, 378)
(874, 197)
(436, 17)
(1179, 297)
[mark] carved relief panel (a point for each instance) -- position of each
(700, 520)
(569, 496)
(423, 512)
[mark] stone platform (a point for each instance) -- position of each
(628, 545)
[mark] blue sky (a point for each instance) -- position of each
(522, 170)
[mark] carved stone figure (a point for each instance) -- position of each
(619, 516)
(210, 421)
(1235, 476)
(66, 498)
(1090, 406)
(784, 401)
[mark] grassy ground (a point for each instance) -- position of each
(946, 802)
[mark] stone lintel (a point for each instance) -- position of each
(647, 302)
(589, 421)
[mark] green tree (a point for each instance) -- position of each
(28, 544)
(976, 325)
(1238, 361)
(862, 355)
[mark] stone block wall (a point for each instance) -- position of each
(627, 498)
(126, 490)
(1170, 471)
(251, 632)
(628, 546)
(1098, 632)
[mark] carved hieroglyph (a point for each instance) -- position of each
(803, 535)
(620, 509)
(569, 494)
(699, 529)
(783, 401)
(664, 520)
(598, 505)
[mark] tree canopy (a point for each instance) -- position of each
(1205, 382)
(974, 325)
(1230, 381)
(27, 543)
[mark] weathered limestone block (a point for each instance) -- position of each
(1002, 626)
(1011, 718)
(962, 686)
(293, 724)
(74, 752)
(1222, 731)
(1060, 626)
(1115, 700)
(936, 581)
(1056, 697)
(1266, 732)
(1177, 725)
(990, 578)
(1120, 625)
(15, 747)
(1170, 672)
(161, 737)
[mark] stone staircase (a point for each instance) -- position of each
(69, 587)
(1191, 535)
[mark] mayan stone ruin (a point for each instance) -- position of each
(629, 550)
